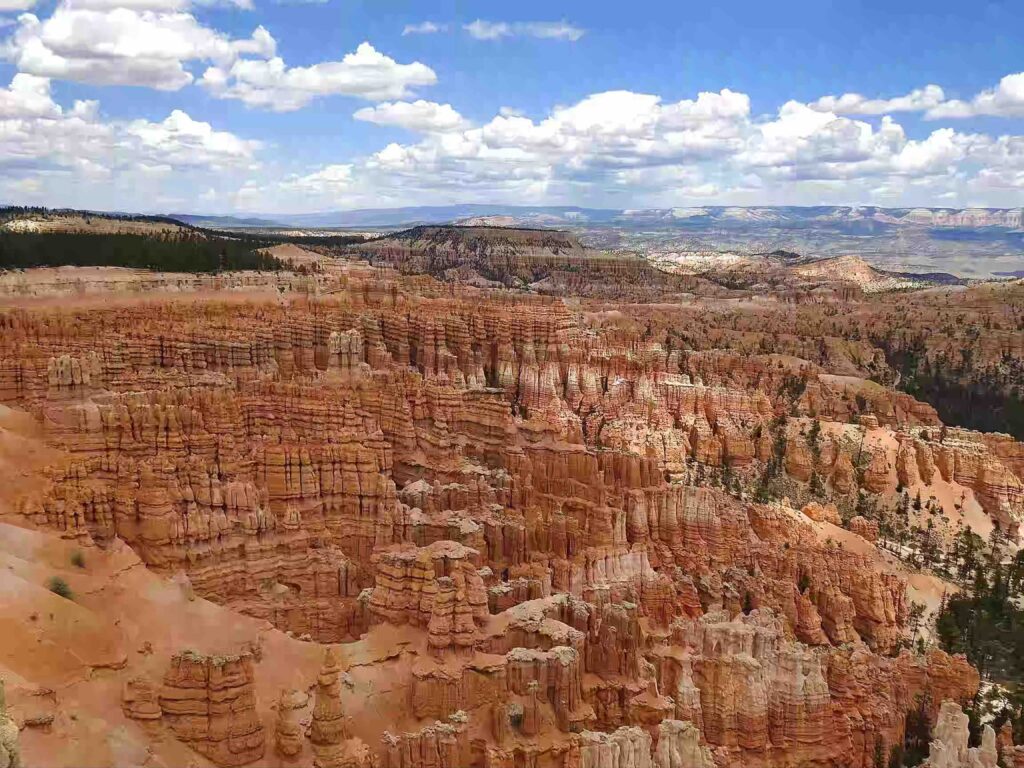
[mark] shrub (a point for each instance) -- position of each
(78, 559)
(60, 587)
(804, 584)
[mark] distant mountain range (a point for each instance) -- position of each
(869, 219)
(402, 217)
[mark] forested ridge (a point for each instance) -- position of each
(167, 252)
(985, 622)
(10, 212)
(988, 398)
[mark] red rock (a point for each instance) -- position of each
(209, 703)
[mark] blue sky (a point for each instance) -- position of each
(287, 106)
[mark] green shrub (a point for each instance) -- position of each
(804, 584)
(78, 559)
(60, 587)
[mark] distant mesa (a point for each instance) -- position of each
(519, 215)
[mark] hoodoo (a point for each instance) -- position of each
(415, 519)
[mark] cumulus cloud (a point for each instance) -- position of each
(181, 142)
(270, 84)
(804, 144)
(332, 179)
(420, 115)
(27, 97)
(637, 148)
(619, 128)
(918, 100)
(47, 149)
(545, 30)
(123, 46)
(424, 28)
(6, 6)
(156, 43)
(608, 140)
(1005, 100)
(640, 149)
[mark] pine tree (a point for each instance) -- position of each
(878, 760)
(748, 602)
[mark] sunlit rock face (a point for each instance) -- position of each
(949, 742)
(526, 527)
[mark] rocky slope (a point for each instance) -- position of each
(543, 260)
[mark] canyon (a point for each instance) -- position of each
(478, 498)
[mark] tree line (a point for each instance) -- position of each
(985, 622)
(964, 392)
(167, 252)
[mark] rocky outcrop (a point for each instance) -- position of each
(822, 513)
(679, 746)
(1011, 756)
(209, 703)
(67, 372)
(289, 733)
(443, 744)
(140, 701)
(10, 754)
(623, 748)
(332, 745)
(866, 529)
(434, 587)
(949, 748)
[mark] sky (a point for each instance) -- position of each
(291, 106)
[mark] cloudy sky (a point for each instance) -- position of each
(220, 106)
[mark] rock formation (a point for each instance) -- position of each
(10, 754)
(289, 732)
(209, 702)
(332, 746)
(949, 742)
(531, 531)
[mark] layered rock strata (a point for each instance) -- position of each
(526, 526)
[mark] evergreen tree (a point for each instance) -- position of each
(878, 760)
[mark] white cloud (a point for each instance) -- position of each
(27, 97)
(545, 30)
(807, 145)
(615, 140)
(1005, 100)
(999, 179)
(424, 28)
(58, 152)
(614, 147)
(123, 46)
(270, 84)
(332, 179)
(182, 142)
(165, 6)
(635, 148)
(488, 30)
(420, 115)
(551, 30)
(621, 129)
(918, 100)
(331, 186)
(6, 6)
